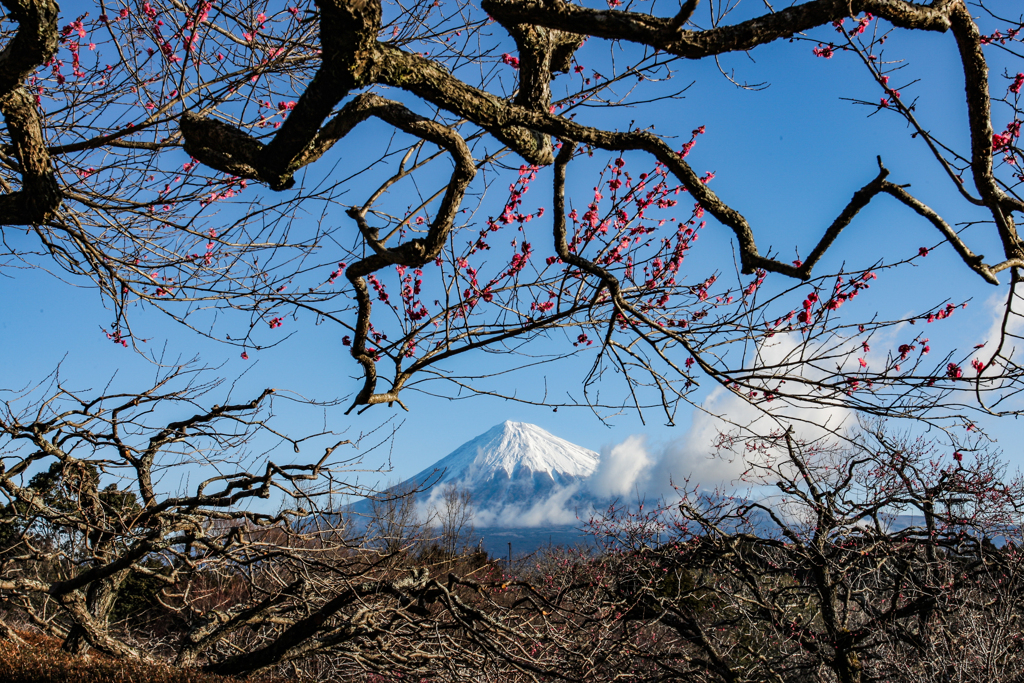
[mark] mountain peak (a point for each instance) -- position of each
(512, 449)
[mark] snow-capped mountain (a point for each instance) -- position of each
(516, 452)
(518, 474)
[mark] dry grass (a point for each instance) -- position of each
(40, 660)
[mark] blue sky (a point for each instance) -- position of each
(788, 157)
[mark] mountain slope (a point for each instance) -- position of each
(518, 475)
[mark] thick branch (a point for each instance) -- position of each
(432, 82)
(33, 45)
(416, 252)
(301, 637)
(665, 34)
(979, 113)
(348, 32)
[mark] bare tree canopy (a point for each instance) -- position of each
(880, 560)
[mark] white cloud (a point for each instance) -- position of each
(621, 468)
(556, 510)
(637, 465)
(996, 307)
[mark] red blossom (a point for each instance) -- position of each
(1017, 83)
(862, 24)
(117, 338)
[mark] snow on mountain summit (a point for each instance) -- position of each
(519, 476)
(513, 450)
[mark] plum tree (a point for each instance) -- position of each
(176, 154)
